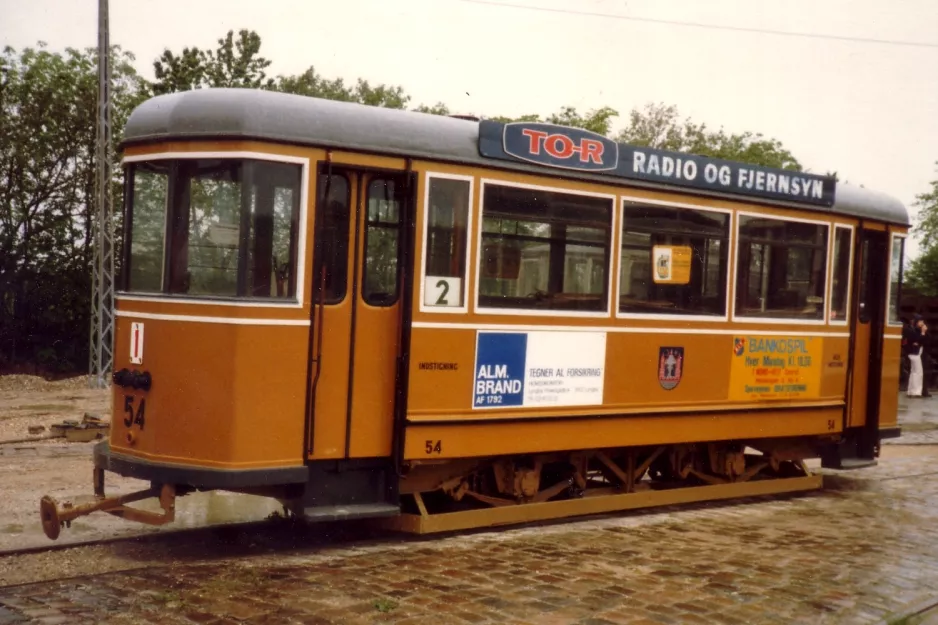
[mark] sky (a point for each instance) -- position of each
(868, 110)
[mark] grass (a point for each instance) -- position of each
(384, 605)
(170, 599)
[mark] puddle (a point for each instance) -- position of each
(215, 508)
(196, 510)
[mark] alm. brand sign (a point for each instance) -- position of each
(529, 369)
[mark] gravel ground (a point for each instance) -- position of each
(31, 469)
(29, 400)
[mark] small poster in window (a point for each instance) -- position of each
(671, 264)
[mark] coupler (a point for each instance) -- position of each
(54, 517)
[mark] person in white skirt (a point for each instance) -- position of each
(914, 343)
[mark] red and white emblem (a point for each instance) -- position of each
(136, 343)
(670, 366)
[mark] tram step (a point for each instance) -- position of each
(847, 464)
(354, 511)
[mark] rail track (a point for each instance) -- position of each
(291, 530)
(147, 538)
(234, 540)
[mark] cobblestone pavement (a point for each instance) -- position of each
(859, 551)
(918, 418)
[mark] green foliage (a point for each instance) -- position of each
(47, 182)
(927, 204)
(660, 126)
(182, 72)
(234, 63)
(309, 83)
(922, 273)
(384, 605)
(599, 120)
(437, 109)
(238, 63)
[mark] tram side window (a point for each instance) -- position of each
(895, 279)
(843, 243)
(782, 268)
(544, 250)
(382, 242)
(148, 226)
(864, 310)
(673, 261)
(445, 261)
(232, 228)
(332, 237)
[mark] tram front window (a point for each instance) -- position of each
(148, 226)
(213, 227)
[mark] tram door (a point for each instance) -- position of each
(869, 319)
(356, 313)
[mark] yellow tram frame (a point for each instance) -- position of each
(355, 407)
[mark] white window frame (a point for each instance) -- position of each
(543, 313)
(827, 277)
(426, 228)
(163, 256)
(729, 261)
(892, 241)
(830, 293)
(284, 303)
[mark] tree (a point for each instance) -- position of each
(311, 84)
(47, 164)
(182, 72)
(437, 109)
(927, 203)
(598, 120)
(392, 96)
(659, 126)
(238, 63)
(922, 273)
(234, 63)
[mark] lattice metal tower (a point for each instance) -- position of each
(101, 345)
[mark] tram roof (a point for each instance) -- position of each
(288, 118)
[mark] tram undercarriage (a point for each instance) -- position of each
(448, 495)
(454, 495)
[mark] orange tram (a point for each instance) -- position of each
(448, 322)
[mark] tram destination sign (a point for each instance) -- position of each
(589, 152)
